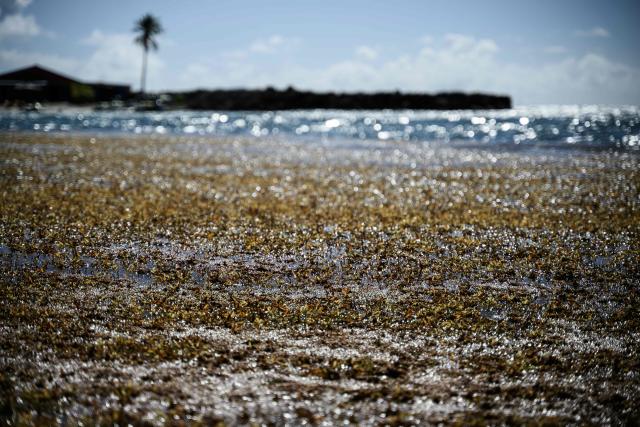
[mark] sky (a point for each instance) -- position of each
(539, 52)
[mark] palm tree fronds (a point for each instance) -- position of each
(147, 28)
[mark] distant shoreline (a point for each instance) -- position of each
(59, 89)
(270, 99)
(27, 88)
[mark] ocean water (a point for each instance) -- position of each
(571, 127)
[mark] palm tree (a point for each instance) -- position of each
(147, 28)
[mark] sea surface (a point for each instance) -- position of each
(320, 267)
(572, 127)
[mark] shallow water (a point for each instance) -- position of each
(67, 265)
(569, 127)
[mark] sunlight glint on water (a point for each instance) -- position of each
(572, 127)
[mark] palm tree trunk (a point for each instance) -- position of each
(143, 77)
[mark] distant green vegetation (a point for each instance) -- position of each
(82, 93)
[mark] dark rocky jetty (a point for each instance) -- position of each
(290, 99)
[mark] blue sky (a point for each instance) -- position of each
(542, 52)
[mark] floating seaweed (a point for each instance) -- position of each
(202, 281)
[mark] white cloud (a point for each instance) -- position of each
(454, 62)
(366, 53)
(18, 25)
(11, 58)
(469, 45)
(274, 44)
(268, 45)
(427, 39)
(591, 78)
(117, 59)
(15, 24)
(593, 32)
(13, 6)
